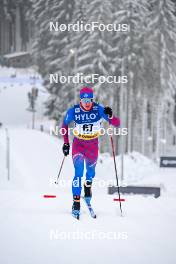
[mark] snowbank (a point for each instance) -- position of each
(37, 230)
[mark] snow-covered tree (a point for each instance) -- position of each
(145, 53)
(49, 47)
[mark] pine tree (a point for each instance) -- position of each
(49, 48)
(162, 27)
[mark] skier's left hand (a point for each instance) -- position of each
(108, 111)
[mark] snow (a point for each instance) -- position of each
(14, 87)
(16, 54)
(38, 230)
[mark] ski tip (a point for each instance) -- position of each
(76, 216)
(49, 196)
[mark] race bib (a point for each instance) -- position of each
(87, 131)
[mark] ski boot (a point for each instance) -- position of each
(76, 206)
(88, 196)
(88, 191)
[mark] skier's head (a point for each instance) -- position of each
(86, 98)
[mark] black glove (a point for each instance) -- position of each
(108, 111)
(66, 148)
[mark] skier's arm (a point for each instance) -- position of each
(67, 119)
(106, 113)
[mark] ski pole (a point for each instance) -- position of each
(115, 166)
(56, 182)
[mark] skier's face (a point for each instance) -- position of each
(87, 103)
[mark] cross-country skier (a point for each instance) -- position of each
(87, 117)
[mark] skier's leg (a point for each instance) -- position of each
(91, 156)
(78, 161)
(90, 167)
(90, 174)
(91, 160)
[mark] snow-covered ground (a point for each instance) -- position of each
(38, 230)
(14, 87)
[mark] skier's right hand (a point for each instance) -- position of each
(66, 148)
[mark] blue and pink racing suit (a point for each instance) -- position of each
(85, 142)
